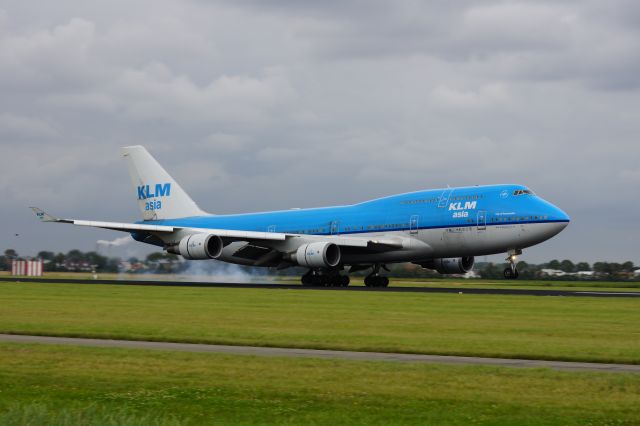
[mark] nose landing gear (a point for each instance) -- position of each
(511, 273)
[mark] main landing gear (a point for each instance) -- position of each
(316, 278)
(511, 272)
(374, 279)
(333, 278)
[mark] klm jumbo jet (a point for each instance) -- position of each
(440, 229)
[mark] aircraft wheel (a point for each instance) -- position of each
(376, 281)
(336, 281)
(307, 279)
(344, 280)
(368, 281)
(317, 280)
(510, 274)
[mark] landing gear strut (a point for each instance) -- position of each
(511, 273)
(374, 279)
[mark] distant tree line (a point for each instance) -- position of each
(555, 269)
(162, 262)
(157, 262)
(74, 260)
(572, 271)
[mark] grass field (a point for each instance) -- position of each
(42, 384)
(579, 329)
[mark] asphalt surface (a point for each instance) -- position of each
(392, 289)
(326, 354)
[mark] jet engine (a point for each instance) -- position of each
(453, 265)
(200, 246)
(318, 255)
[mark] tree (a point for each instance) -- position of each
(601, 267)
(155, 256)
(554, 264)
(492, 271)
(96, 260)
(46, 255)
(75, 255)
(10, 254)
(628, 266)
(614, 267)
(58, 262)
(583, 266)
(113, 265)
(567, 266)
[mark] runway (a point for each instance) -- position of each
(323, 354)
(458, 290)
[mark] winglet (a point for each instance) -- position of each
(46, 217)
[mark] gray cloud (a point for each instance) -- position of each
(265, 105)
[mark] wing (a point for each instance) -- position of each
(260, 239)
(126, 227)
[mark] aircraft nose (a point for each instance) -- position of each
(559, 218)
(560, 215)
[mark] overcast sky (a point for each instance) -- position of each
(259, 105)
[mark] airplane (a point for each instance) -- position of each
(439, 229)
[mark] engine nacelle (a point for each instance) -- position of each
(453, 265)
(200, 246)
(318, 255)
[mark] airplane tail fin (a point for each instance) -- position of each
(159, 195)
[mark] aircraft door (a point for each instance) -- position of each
(482, 220)
(413, 225)
(334, 227)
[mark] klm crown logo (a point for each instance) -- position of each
(161, 190)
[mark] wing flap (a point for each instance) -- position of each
(362, 242)
(124, 226)
(242, 235)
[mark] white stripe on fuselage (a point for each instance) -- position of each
(447, 242)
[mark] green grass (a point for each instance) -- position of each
(48, 384)
(563, 328)
(91, 414)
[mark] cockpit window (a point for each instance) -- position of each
(523, 192)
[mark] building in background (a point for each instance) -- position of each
(30, 268)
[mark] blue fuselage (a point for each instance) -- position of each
(496, 205)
